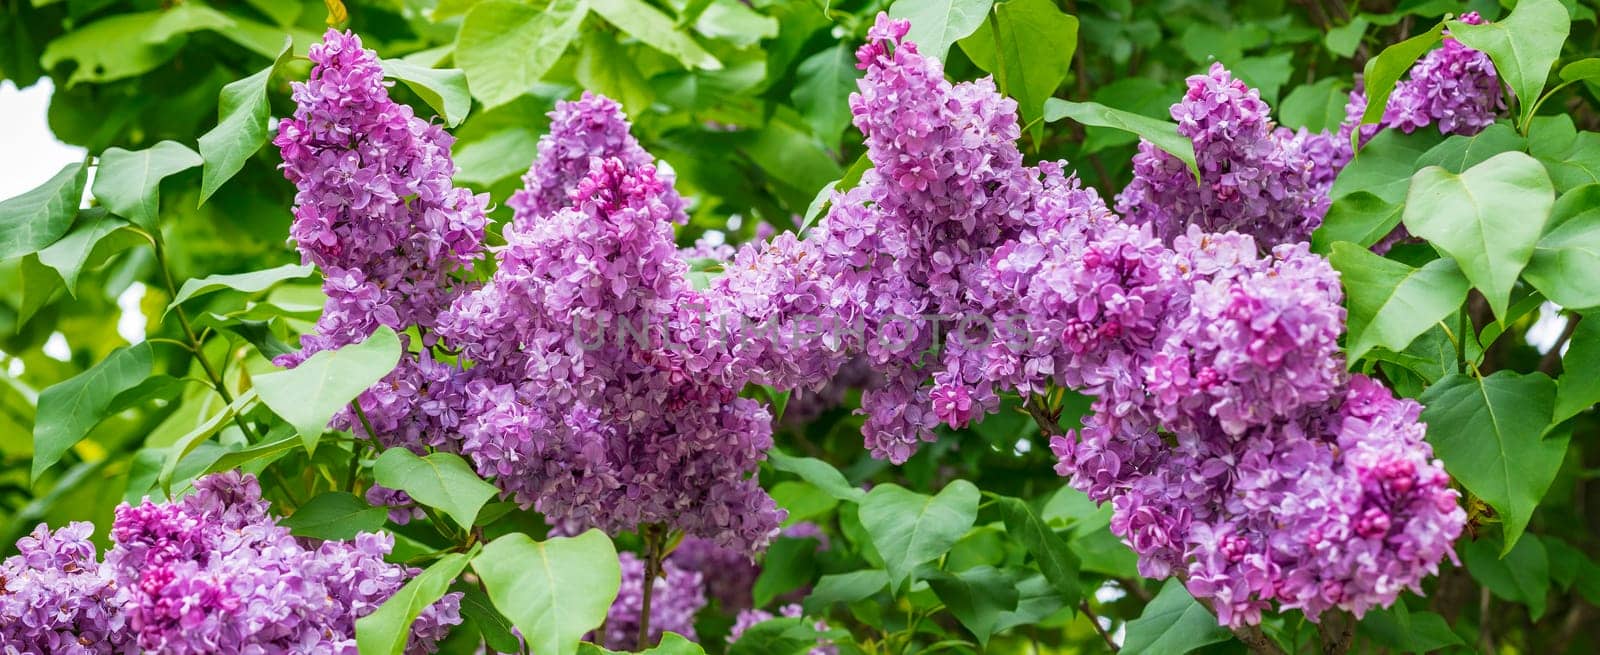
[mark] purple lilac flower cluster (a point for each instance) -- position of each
(375, 208)
(675, 598)
(212, 573)
(1254, 178)
(56, 599)
(576, 403)
(1454, 87)
(750, 618)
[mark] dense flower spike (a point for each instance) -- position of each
(1453, 87)
(375, 208)
(592, 127)
(675, 598)
(1254, 178)
(212, 573)
(55, 598)
(578, 402)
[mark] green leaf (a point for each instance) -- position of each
(128, 182)
(789, 565)
(672, 643)
(1172, 623)
(335, 515)
(1049, 550)
(444, 89)
(129, 44)
(249, 283)
(1391, 304)
(493, 626)
(606, 68)
(1581, 70)
(440, 480)
(1360, 218)
(1385, 166)
(1342, 40)
(1579, 387)
(802, 500)
(1459, 152)
(270, 449)
(1489, 432)
(822, 90)
(241, 127)
(1161, 134)
(654, 29)
(97, 235)
(496, 157)
(37, 218)
(1036, 601)
(1571, 157)
(819, 473)
(1566, 261)
(1488, 218)
(935, 24)
(1408, 632)
(69, 409)
(506, 47)
(1315, 107)
(1385, 70)
(308, 395)
(1028, 46)
(1523, 45)
(554, 591)
(844, 588)
(189, 442)
(387, 629)
(977, 597)
(1520, 574)
(909, 528)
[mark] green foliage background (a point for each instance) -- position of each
(748, 104)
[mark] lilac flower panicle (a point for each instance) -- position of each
(1453, 86)
(1254, 178)
(375, 208)
(57, 599)
(576, 403)
(592, 127)
(211, 573)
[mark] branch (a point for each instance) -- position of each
(1550, 363)
(1094, 619)
(1337, 630)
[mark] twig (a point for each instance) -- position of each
(652, 535)
(1336, 630)
(1485, 629)
(194, 342)
(1094, 619)
(1550, 363)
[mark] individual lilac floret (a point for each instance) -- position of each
(675, 598)
(591, 127)
(214, 572)
(750, 618)
(1253, 179)
(1453, 86)
(580, 403)
(375, 207)
(56, 599)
